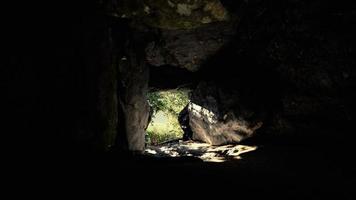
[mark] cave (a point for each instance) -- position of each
(271, 92)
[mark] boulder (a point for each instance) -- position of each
(217, 117)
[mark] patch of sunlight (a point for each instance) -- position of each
(203, 151)
(212, 157)
(169, 151)
(151, 151)
(200, 112)
(196, 145)
(222, 153)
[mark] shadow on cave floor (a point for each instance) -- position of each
(287, 170)
(295, 172)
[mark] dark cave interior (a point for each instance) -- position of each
(277, 74)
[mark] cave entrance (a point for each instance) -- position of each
(165, 108)
(206, 124)
(165, 137)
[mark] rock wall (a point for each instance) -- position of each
(133, 88)
(293, 63)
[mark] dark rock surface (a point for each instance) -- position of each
(190, 48)
(183, 119)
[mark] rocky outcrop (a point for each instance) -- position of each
(217, 117)
(133, 86)
(189, 48)
(293, 64)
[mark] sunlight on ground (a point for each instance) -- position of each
(203, 151)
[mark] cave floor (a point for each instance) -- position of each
(305, 171)
(202, 151)
(290, 171)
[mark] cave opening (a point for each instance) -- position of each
(180, 125)
(165, 109)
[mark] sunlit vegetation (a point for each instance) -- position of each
(166, 106)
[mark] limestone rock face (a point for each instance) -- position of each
(216, 118)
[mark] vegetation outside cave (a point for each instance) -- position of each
(166, 106)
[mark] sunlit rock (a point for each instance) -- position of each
(218, 121)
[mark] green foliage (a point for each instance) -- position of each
(166, 105)
(168, 101)
(161, 132)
